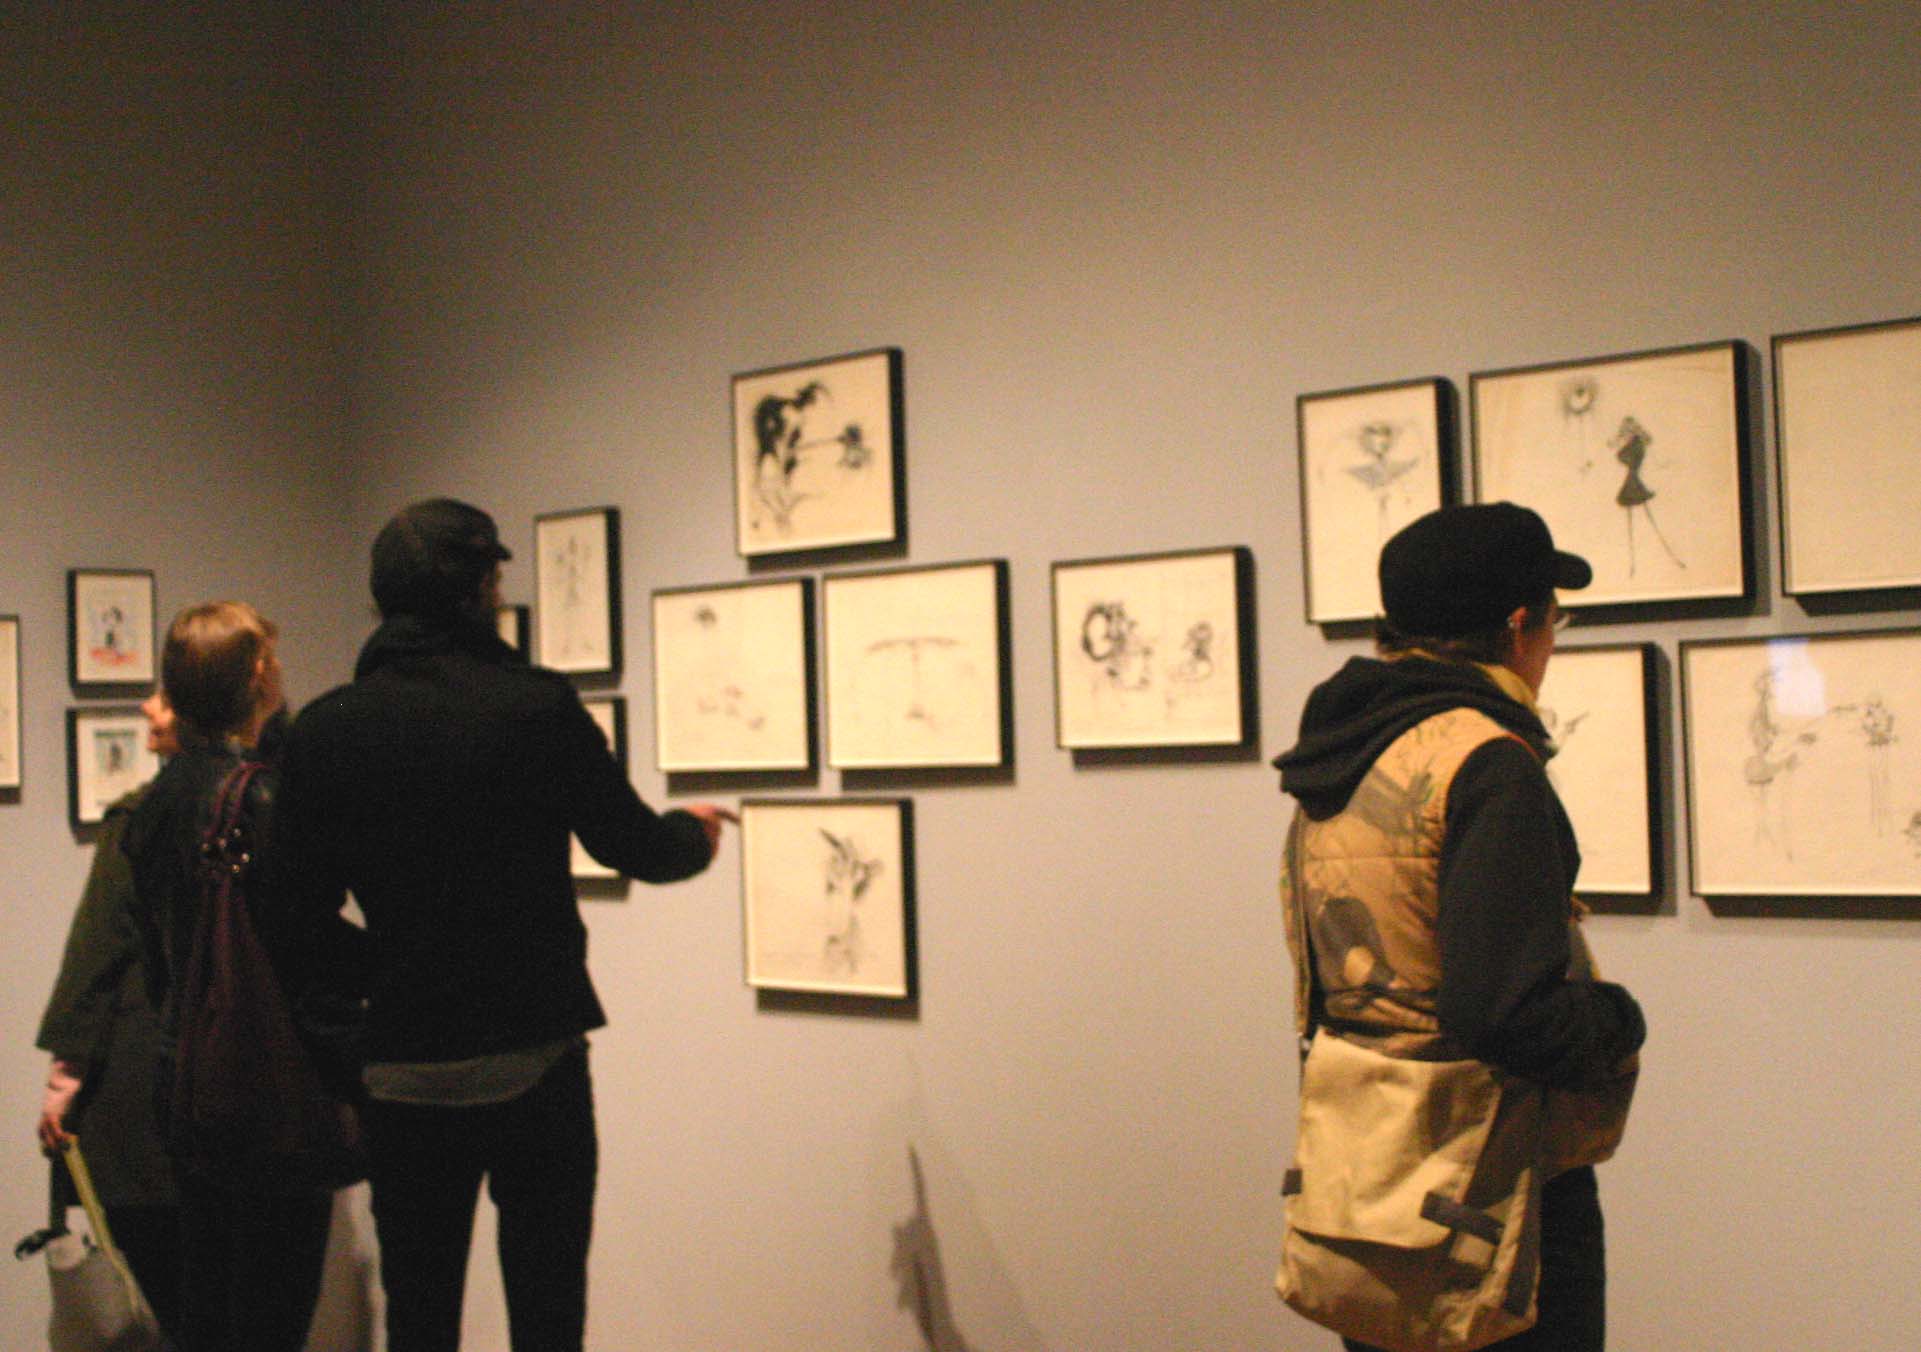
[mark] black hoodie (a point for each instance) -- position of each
(1508, 864)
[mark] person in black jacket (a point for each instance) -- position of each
(251, 1257)
(440, 787)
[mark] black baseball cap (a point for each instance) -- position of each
(430, 559)
(1464, 570)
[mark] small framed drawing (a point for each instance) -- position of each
(514, 625)
(9, 703)
(1149, 650)
(827, 888)
(917, 671)
(577, 590)
(1371, 460)
(1847, 403)
(1638, 463)
(610, 712)
(107, 757)
(110, 629)
(1599, 707)
(734, 677)
(818, 452)
(1803, 764)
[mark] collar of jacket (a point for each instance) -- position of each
(406, 637)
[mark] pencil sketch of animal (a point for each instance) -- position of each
(846, 875)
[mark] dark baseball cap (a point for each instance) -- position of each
(430, 559)
(1464, 570)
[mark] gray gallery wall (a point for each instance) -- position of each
(1114, 243)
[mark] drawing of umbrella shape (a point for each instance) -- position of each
(914, 646)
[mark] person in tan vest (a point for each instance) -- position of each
(1432, 869)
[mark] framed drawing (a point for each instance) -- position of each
(107, 757)
(1638, 463)
(610, 712)
(1371, 460)
(827, 895)
(818, 452)
(734, 677)
(577, 590)
(1847, 406)
(1148, 650)
(917, 672)
(9, 702)
(1599, 706)
(110, 629)
(1803, 765)
(513, 624)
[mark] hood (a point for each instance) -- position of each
(1355, 715)
(407, 637)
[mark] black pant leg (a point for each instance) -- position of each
(541, 1177)
(150, 1238)
(425, 1165)
(251, 1267)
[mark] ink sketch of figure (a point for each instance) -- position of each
(1630, 446)
(1376, 471)
(777, 431)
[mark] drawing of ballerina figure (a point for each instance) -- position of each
(1630, 447)
(1769, 769)
(1877, 726)
(1578, 394)
(1913, 832)
(846, 876)
(570, 560)
(1376, 471)
(1112, 639)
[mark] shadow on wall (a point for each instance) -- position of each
(917, 1267)
(347, 1318)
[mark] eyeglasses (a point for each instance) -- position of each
(1562, 619)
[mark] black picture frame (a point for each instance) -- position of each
(1093, 635)
(1551, 435)
(577, 614)
(1845, 402)
(514, 625)
(113, 637)
(803, 938)
(610, 712)
(1601, 702)
(754, 710)
(885, 724)
(107, 757)
(811, 470)
(1350, 507)
(12, 770)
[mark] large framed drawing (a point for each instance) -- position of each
(10, 775)
(577, 591)
(827, 892)
(1149, 650)
(1638, 463)
(110, 629)
(1847, 412)
(107, 756)
(917, 667)
(818, 453)
(610, 712)
(1804, 765)
(734, 676)
(1599, 706)
(1371, 460)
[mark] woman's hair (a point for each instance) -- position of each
(207, 667)
(1486, 646)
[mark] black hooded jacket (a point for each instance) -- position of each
(1508, 864)
(440, 788)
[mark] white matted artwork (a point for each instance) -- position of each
(1636, 462)
(1149, 651)
(733, 677)
(916, 669)
(577, 591)
(110, 628)
(1804, 765)
(9, 702)
(1597, 705)
(1371, 461)
(107, 757)
(1847, 421)
(610, 713)
(817, 453)
(827, 895)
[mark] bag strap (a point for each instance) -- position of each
(224, 848)
(97, 1219)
